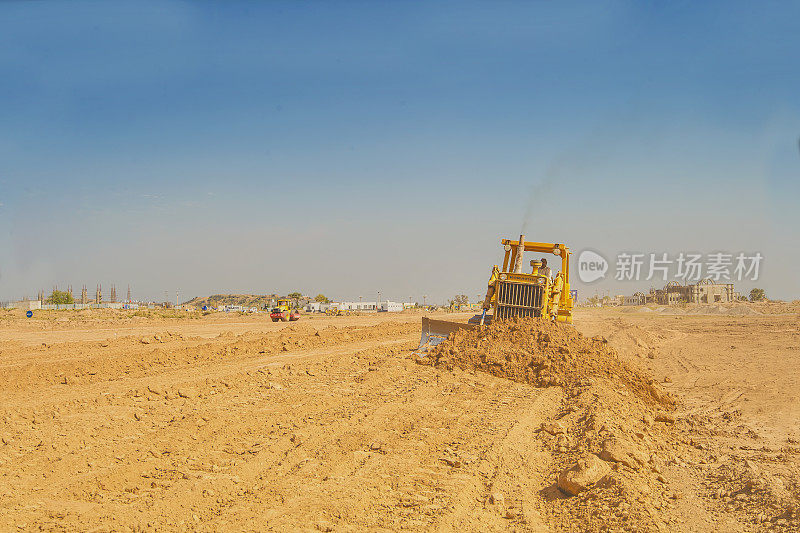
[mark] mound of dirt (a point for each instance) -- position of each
(542, 353)
(612, 436)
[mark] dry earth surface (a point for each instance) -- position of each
(115, 422)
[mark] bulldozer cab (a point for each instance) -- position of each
(519, 294)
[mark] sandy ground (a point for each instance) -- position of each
(114, 422)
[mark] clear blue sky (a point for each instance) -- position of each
(350, 147)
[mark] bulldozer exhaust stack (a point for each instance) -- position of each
(518, 257)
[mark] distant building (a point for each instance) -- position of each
(317, 307)
(313, 307)
(638, 298)
(704, 292)
(357, 306)
(28, 305)
(707, 291)
(389, 306)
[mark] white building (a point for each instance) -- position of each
(389, 306)
(28, 305)
(357, 306)
(313, 307)
(317, 307)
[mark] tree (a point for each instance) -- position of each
(758, 295)
(295, 297)
(60, 297)
(460, 300)
(321, 298)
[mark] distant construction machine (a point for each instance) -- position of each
(513, 293)
(284, 311)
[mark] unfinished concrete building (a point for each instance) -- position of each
(638, 298)
(706, 291)
(674, 293)
(703, 292)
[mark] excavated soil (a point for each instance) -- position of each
(542, 353)
(611, 415)
(169, 422)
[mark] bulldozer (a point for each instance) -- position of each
(513, 293)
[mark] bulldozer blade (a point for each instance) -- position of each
(435, 331)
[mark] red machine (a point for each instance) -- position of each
(284, 315)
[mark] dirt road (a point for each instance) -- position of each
(116, 422)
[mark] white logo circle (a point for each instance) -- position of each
(591, 266)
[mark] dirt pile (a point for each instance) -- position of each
(542, 353)
(613, 434)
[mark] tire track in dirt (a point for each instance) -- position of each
(514, 466)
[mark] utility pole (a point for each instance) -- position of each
(424, 298)
(176, 298)
(378, 305)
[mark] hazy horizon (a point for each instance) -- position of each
(350, 148)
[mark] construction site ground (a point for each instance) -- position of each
(116, 422)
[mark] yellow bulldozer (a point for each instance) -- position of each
(513, 293)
